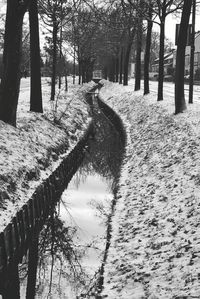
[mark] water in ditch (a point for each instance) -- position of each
(81, 219)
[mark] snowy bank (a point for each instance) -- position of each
(155, 245)
(30, 152)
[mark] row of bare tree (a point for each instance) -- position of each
(129, 27)
(10, 81)
(102, 36)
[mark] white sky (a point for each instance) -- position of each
(169, 28)
(171, 25)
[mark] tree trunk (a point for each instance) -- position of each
(10, 82)
(55, 38)
(79, 65)
(147, 53)
(161, 60)
(112, 70)
(83, 72)
(74, 65)
(126, 62)
(35, 92)
(60, 54)
(59, 81)
(66, 83)
(117, 69)
(89, 70)
(105, 71)
(138, 57)
(79, 70)
(32, 269)
(180, 104)
(121, 67)
(192, 51)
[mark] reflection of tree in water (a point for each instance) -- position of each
(58, 263)
(104, 157)
(59, 268)
(56, 246)
(105, 151)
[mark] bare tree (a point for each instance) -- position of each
(148, 50)
(53, 14)
(10, 83)
(130, 21)
(36, 91)
(180, 104)
(138, 55)
(162, 9)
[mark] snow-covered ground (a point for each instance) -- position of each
(30, 152)
(155, 245)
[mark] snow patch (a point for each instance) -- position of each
(154, 251)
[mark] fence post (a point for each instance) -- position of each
(32, 268)
(11, 288)
(22, 233)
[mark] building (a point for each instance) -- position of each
(170, 59)
(196, 55)
(168, 63)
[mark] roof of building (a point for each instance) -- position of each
(166, 56)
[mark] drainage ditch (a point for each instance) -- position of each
(75, 239)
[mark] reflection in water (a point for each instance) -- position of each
(92, 187)
(105, 153)
(72, 245)
(59, 261)
(59, 272)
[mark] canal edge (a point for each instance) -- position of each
(18, 235)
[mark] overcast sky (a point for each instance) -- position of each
(169, 28)
(171, 25)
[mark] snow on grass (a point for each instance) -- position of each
(29, 152)
(155, 245)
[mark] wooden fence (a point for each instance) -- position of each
(20, 233)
